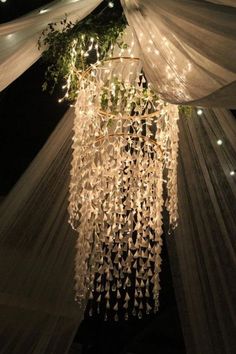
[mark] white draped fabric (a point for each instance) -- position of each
(188, 48)
(38, 313)
(37, 249)
(19, 38)
(203, 249)
(224, 2)
(189, 55)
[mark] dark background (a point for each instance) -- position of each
(27, 117)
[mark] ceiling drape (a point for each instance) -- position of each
(37, 244)
(203, 249)
(37, 249)
(188, 49)
(223, 2)
(19, 38)
(189, 56)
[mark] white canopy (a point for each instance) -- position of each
(19, 38)
(188, 49)
(189, 55)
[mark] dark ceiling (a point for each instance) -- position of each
(27, 115)
(12, 9)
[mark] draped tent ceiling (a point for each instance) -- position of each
(19, 38)
(183, 49)
(192, 45)
(188, 39)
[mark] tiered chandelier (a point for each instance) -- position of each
(125, 148)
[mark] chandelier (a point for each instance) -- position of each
(125, 148)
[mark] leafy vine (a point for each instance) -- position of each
(70, 48)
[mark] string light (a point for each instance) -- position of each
(3, 0)
(232, 173)
(43, 11)
(219, 142)
(199, 112)
(111, 4)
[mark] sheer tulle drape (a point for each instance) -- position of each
(203, 249)
(38, 313)
(37, 248)
(193, 60)
(188, 49)
(223, 2)
(19, 38)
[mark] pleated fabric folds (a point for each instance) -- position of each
(38, 312)
(19, 38)
(203, 249)
(188, 49)
(37, 249)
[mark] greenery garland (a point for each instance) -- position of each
(186, 111)
(73, 47)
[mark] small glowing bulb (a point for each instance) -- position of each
(3, 0)
(60, 100)
(232, 173)
(43, 11)
(111, 4)
(199, 112)
(219, 142)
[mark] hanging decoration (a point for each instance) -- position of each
(124, 149)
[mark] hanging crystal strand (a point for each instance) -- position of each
(171, 147)
(116, 199)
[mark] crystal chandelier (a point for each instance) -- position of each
(125, 148)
